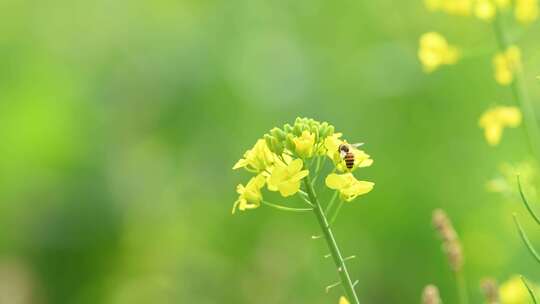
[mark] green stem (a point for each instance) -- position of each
(531, 292)
(526, 202)
(283, 208)
(525, 239)
(338, 208)
(332, 200)
(530, 123)
(462, 287)
(343, 272)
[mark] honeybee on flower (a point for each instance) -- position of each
(280, 161)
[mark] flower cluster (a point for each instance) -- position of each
(506, 64)
(287, 155)
(434, 51)
(494, 120)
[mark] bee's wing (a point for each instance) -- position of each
(357, 145)
(342, 154)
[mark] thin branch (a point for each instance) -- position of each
(283, 208)
(526, 202)
(526, 239)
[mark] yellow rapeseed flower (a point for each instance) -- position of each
(332, 143)
(502, 3)
(348, 186)
(494, 120)
(526, 11)
(304, 144)
(514, 292)
(257, 159)
(451, 7)
(343, 300)
(285, 178)
(506, 64)
(435, 51)
(485, 10)
(249, 196)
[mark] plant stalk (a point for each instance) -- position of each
(343, 272)
(462, 287)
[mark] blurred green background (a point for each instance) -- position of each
(120, 122)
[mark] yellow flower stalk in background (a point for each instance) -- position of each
(451, 7)
(485, 10)
(435, 51)
(250, 195)
(257, 159)
(526, 11)
(506, 64)
(304, 144)
(494, 120)
(348, 186)
(286, 178)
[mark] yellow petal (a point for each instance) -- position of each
(298, 176)
(493, 135)
(343, 300)
(295, 166)
(240, 164)
(334, 181)
(289, 188)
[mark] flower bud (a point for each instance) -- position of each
(297, 130)
(269, 142)
(278, 146)
(278, 134)
(289, 142)
(330, 131)
(288, 128)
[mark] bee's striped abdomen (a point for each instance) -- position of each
(349, 160)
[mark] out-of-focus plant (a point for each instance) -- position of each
(434, 51)
(452, 248)
(289, 160)
(524, 237)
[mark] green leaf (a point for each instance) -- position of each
(526, 239)
(531, 292)
(527, 205)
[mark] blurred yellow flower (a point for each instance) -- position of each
(348, 186)
(250, 195)
(514, 292)
(435, 51)
(285, 178)
(502, 3)
(485, 10)
(505, 181)
(304, 144)
(257, 159)
(494, 120)
(506, 64)
(526, 11)
(452, 7)
(343, 300)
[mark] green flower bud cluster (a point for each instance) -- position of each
(280, 139)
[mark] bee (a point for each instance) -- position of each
(345, 151)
